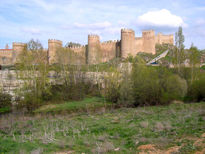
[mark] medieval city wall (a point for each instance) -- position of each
(6, 53)
(168, 39)
(79, 55)
(138, 46)
(53, 46)
(95, 51)
(148, 41)
(108, 50)
(127, 42)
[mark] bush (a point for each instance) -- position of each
(156, 86)
(144, 86)
(196, 90)
(112, 85)
(5, 100)
(174, 88)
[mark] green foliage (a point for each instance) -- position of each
(142, 57)
(5, 110)
(5, 100)
(179, 55)
(194, 61)
(86, 104)
(154, 86)
(112, 85)
(196, 90)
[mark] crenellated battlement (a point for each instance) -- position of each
(110, 42)
(77, 47)
(124, 30)
(19, 44)
(93, 35)
(55, 41)
(95, 51)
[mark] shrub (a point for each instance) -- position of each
(146, 87)
(174, 88)
(112, 85)
(5, 100)
(196, 90)
(154, 86)
(126, 96)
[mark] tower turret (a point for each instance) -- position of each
(53, 46)
(94, 53)
(127, 42)
(149, 41)
(17, 49)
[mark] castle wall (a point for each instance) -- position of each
(53, 46)
(108, 50)
(138, 46)
(168, 39)
(6, 53)
(94, 51)
(148, 41)
(17, 49)
(79, 55)
(6, 56)
(127, 42)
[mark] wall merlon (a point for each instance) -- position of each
(93, 35)
(18, 44)
(55, 41)
(127, 31)
(96, 51)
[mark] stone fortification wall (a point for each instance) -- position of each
(138, 47)
(127, 42)
(17, 49)
(6, 53)
(168, 39)
(108, 50)
(53, 46)
(148, 41)
(79, 55)
(94, 53)
(6, 56)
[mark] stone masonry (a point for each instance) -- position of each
(95, 51)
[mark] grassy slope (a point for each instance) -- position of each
(125, 129)
(5, 110)
(84, 105)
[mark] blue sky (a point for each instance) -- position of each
(73, 20)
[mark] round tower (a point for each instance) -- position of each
(93, 49)
(149, 41)
(127, 42)
(17, 49)
(53, 46)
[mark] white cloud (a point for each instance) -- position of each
(160, 18)
(99, 25)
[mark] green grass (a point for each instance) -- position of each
(5, 110)
(90, 104)
(164, 126)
